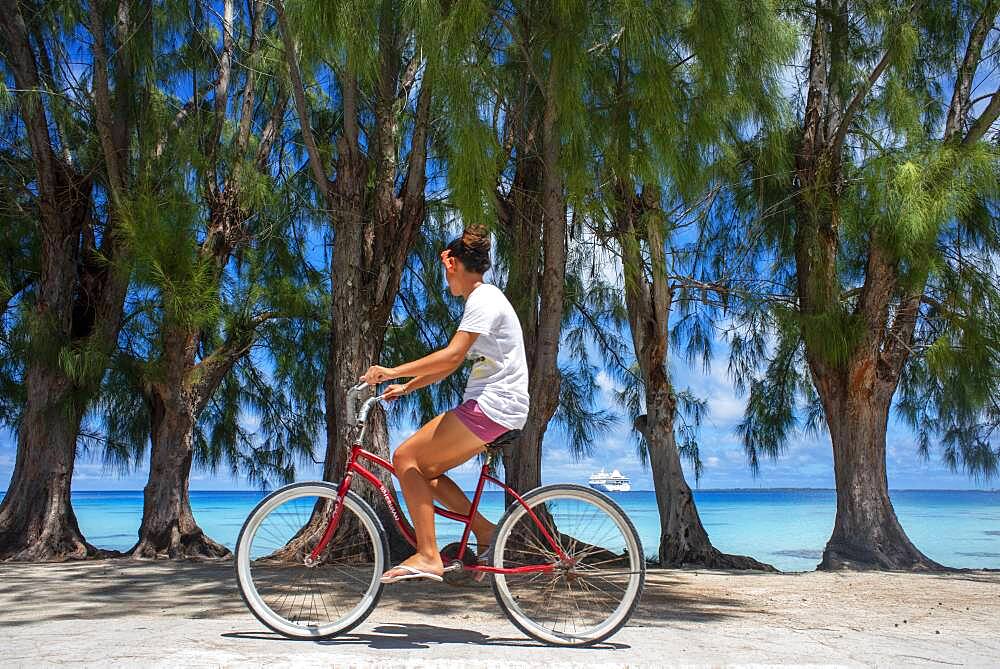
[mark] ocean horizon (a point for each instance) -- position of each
(785, 527)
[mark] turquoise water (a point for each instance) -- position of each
(787, 528)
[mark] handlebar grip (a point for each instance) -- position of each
(352, 401)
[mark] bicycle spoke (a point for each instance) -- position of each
(585, 597)
(308, 600)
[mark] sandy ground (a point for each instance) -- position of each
(147, 614)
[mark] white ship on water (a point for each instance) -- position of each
(613, 482)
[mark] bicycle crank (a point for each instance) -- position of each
(454, 569)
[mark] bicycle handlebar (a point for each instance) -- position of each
(359, 416)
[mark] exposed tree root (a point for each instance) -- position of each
(176, 545)
(710, 557)
(899, 555)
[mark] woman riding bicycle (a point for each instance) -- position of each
(495, 401)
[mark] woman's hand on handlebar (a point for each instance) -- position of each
(377, 374)
(394, 391)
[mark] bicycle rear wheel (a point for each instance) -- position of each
(314, 601)
(585, 598)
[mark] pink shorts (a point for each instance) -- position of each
(478, 422)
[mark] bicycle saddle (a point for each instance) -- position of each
(504, 439)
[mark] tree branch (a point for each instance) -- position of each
(960, 106)
(102, 101)
(298, 90)
(855, 104)
(21, 60)
(985, 120)
(602, 338)
(416, 177)
(222, 87)
(273, 128)
(898, 340)
(246, 109)
(407, 79)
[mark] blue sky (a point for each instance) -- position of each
(806, 463)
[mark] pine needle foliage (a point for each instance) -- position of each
(670, 89)
(917, 189)
(18, 271)
(221, 259)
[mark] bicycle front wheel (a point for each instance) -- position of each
(589, 595)
(327, 597)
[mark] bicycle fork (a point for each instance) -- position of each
(338, 508)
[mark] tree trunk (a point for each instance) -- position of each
(78, 300)
(522, 218)
(356, 340)
(36, 518)
(866, 532)
(683, 539)
(168, 526)
(856, 393)
(536, 212)
(375, 226)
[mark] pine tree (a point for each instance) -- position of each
(83, 159)
(665, 86)
(538, 122)
(398, 70)
(212, 247)
(878, 221)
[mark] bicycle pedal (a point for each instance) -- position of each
(454, 566)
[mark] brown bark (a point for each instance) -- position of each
(866, 532)
(168, 526)
(355, 343)
(37, 522)
(683, 539)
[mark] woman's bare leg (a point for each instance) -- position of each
(448, 493)
(444, 442)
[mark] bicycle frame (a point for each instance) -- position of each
(358, 453)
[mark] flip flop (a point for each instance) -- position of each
(414, 573)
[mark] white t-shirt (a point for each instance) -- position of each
(499, 377)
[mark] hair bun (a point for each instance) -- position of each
(472, 248)
(476, 239)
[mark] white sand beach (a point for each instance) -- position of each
(189, 614)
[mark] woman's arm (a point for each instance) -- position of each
(440, 363)
(396, 390)
(418, 382)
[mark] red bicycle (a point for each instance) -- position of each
(567, 564)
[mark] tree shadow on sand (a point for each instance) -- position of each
(207, 589)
